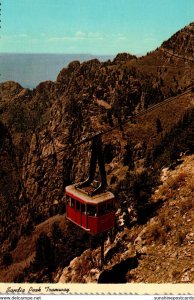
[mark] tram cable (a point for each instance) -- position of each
(101, 133)
(176, 55)
(139, 114)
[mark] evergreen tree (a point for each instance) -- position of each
(158, 126)
(44, 253)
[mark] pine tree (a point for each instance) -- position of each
(44, 253)
(158, 126)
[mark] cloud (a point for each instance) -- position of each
(79, 35)
(122, 38)
(22, 35)
(14, 36)
(95, 35)
(58, 39)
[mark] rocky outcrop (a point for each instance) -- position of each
(182, 43)
(123, 57)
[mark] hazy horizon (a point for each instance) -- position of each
(30, 69)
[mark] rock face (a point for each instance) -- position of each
(10, 185)
(41, 127)
(120, 257)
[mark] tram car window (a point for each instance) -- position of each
(83, 208)
(68, 200)
(91, 210)
(77, 205)
(72, 202)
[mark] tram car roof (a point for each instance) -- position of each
(83, 195)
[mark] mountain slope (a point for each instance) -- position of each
(181, 43)
(172, 63)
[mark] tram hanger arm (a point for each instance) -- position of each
(96, 156)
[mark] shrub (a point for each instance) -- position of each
(62, 208)
(191, 186)
(186, 205)
(44, 252)
(177, 181)
(57, 233)
(14, 242)
(155, 232)
(27, 230)
(113, 179)
(7, 259)
(181, 177)
(180, 236)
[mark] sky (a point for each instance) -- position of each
(90, 26)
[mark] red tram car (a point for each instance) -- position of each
(94, 214)
(92, 208)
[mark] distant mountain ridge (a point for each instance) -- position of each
(31, 69)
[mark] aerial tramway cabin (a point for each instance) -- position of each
(94, 214)
(88, 206)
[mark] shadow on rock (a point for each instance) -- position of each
(118, 273)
